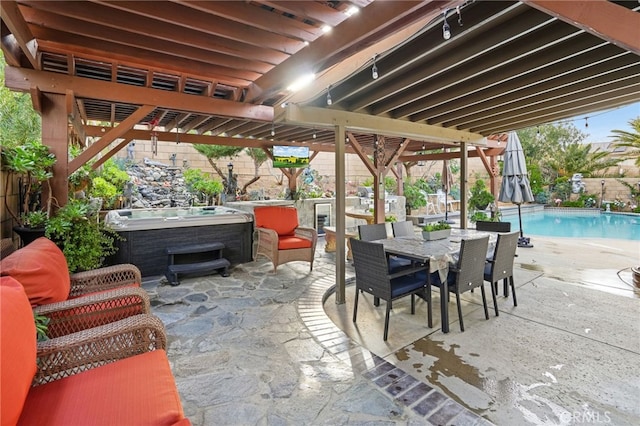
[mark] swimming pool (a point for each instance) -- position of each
(567, 223)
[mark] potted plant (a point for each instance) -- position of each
(84, 240)
(480, 196)
(436, 231)
(31, 164)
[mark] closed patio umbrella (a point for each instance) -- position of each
(515, 186)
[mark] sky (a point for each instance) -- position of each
(601, 123)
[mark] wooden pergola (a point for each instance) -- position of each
(220, 73)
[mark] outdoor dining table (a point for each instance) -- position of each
(438, 254)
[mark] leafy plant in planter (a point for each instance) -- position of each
(436, 226)
(84, 240)
(436, 230)
(480, 196)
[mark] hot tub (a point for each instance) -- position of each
(147, 233)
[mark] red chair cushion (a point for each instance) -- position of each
(17, 349)
(139, 390)
(288, 243)
(282, 219)
(42, 270)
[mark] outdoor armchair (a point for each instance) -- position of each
(77, 301)
(280, 237)
(373, 277)
(114, 374)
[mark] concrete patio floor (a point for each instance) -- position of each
(258, 348)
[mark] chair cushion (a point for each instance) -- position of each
(408, 283)
(282, 219)
(398, 263)
(288, 243)
(17, 349)
(487, 271)
(42, 270)
(139, 390)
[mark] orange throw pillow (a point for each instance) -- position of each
(42, 270)
(17, 349)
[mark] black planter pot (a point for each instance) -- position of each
(28, 235)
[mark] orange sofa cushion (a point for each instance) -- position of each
(139, 390)
(42, 270)
(288, 243)
(283, 220)
(17, 349)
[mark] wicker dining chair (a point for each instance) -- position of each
(403, 229)
(468, 273)
(373, 277)
(500, 266)
(378, 231)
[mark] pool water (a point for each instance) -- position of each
(577, 224)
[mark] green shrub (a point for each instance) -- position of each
(414, 198)
(84, 240)
(100, 188)
(202, 182)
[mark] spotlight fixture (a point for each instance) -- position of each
(329, 101)
(351, 11)
(446, 29)
(374, 68)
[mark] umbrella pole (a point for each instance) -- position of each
(520, 220)
(522, 241)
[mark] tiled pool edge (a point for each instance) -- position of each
(427, 402)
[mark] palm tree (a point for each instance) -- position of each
(630, 139)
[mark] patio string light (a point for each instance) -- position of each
(446, 29)
(374, 68)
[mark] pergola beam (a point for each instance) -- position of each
(603, 19)
(363, 123)
(22, 79)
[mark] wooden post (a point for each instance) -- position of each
(55, 136)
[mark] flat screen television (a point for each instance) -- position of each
(290, 156)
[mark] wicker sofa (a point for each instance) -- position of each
(115, 374)
(280, 238)
(74, 302)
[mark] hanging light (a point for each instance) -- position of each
(374, 68)
(446, 29)
(314, 134)
(586, 122)
(273, 130)
(459, 15)
(329, 101)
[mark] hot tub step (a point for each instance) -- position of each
(220, 265)
(196, 258)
